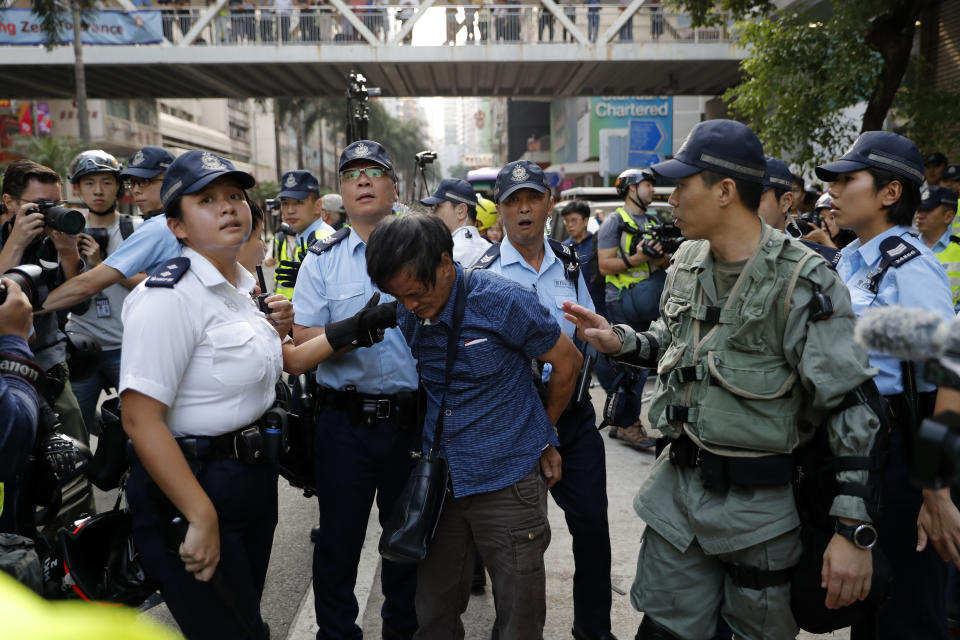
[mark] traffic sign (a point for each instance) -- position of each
(643, 159)
(645, 135)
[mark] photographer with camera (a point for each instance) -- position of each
(40, 232)
(96, 178)
(145, 250)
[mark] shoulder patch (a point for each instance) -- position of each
(329, 242)
(170, 273)
(897, 251)
(564, 252)
(488, 258)
(831, 255)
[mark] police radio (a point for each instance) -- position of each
(264, 294)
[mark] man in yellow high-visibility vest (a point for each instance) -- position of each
(938, 207)
(300, 208)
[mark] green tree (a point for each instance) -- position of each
(807, 66)
(55, 153)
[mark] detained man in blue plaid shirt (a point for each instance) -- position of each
(498, 438)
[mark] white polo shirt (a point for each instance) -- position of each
(202, 348)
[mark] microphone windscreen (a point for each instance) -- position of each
(909, 334)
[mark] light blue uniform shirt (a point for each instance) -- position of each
(334, 286)
(146, 249)
(551, 282)
(316, 226)
(942, 243)
(918, 283)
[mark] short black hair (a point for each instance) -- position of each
(577, 206)
(902, 211)
(18, 175)
(256, 213)
(414, 241)
(749, 192)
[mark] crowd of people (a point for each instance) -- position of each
(465, 332)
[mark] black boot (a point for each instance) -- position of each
(650, 630)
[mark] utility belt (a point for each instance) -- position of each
(403, 409)
(719, 473)
(257, 443)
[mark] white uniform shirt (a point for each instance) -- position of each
(202, 348)
(468, 245)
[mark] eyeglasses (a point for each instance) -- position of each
(370, 172)
(133, 183)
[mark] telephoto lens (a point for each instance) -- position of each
(60, 218)
(28, 278)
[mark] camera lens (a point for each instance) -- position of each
(27, 277)
(62, 219)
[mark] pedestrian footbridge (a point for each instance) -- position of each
(522, 50)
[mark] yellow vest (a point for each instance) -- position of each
(950, 259)
(285, 248)
(641, 272)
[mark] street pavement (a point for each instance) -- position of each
(288, 598)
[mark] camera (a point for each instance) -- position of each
(272, 204)
(102, 237)
(29, 277)
(60, 218)
(426, 157)
(803, 224)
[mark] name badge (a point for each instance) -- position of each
(103, 306)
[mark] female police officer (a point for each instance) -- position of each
(198, 370)
(875, 188)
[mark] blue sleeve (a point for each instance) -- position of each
(525, 324)
(934, 294)
(151, 244)
(18, 412)
(310, 308)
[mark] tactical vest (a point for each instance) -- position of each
(284, 248)
(724, 378)
(950, 259)
(628, 229)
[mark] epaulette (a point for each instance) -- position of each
(894, 252)
(955, 239)
(831, 255)
(170, 273)
(329, 242)
(568, 257)
(488, 258)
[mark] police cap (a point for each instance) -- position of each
(884, 150)
(298, 185)
(777, 175)
(194, 170)
(726, 147)
(933, 197)
(452, 190)
(148, 163)
(951, 173)
(521, 174)
(366, 150)
(331, 202)
(935, 158)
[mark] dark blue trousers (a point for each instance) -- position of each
(917, 605)
(582, 494)
(354, 463)
(245, 497)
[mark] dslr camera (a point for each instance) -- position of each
(69, 221)
(29, 277)
(803, 224)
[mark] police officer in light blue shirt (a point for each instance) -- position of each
(367, 419)
(875, 188)
(551, 269)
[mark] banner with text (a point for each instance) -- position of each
(22, 27)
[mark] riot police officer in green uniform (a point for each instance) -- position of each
(754, 349)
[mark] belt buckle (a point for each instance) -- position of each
(383, 408)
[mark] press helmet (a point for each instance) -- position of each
(824, 202)
(486, 214)
(93, 161)
(632, 176)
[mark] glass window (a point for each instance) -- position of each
(145, 111)
(119, 108)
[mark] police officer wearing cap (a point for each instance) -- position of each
(526, 256)
(455, 202)
(934, 217)
(776, 200)
(367, 422)
(200, 362)
(146, 249)
(300, 209)
(144, 176)
(741, 357)
(933, 167)
(875, 188)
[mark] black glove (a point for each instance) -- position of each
(62, 457)
(365, 328)
(286, 273)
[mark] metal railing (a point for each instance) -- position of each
(439, 26)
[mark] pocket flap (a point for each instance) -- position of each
(233, 334)
(752, 377)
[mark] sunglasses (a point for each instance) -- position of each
(370, 172)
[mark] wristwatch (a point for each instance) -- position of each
(863, 535)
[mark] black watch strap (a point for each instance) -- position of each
(863, 535)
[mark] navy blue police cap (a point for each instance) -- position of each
(935, 158)
(884, 150)
(726, 147)
(521, 174)
(951, 173)
(933, 197)
(194, 170)
(298, 185)
(777, 175)
(366, 150)
(148, 162)
(452, 190)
